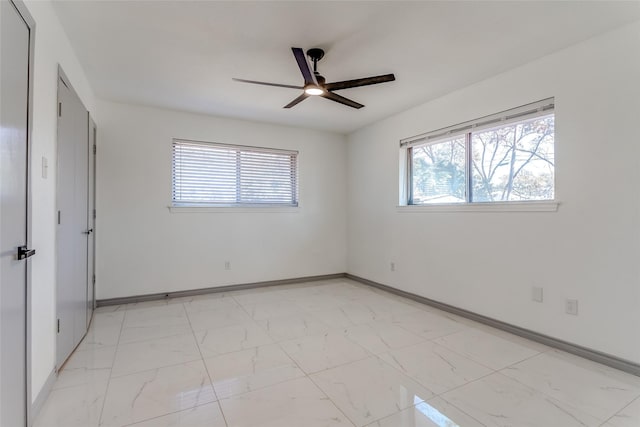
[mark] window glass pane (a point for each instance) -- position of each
(439, 172)
(514, 162)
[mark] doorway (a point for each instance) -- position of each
(17, 33)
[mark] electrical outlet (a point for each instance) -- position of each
(536, 294)
(227, 265)
(392, 266)
(571, 306)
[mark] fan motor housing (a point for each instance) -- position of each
(315, 54)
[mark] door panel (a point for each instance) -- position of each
(91, 221)
(72, 196)
(14, 96)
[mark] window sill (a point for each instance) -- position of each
(234, 209)
(545, 206)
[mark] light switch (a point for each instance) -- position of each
(536, 294)
(45, 167)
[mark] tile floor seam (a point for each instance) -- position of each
(152, 339)
(559, 400)
(520, 361)
(369, 354)
(106, 391)
(427, 402)
(314, 334)
(168, 413)
(434, 338)
(464, 385)
(407, 375)
(331, 400)
(605, 421)
(206, 368)
(243, 308)
(155, 369)
(77, 385)
(460, 409)
(232, 351)
(523, 385)
(465, 356)
(481, 362)
(262, 387)
(91, 349)
(390, 366)
(308, 376)
(637, 399)
(441, 396)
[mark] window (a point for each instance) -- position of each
(211, 174)
(501, 158)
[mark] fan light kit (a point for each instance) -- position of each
(315, 84)
(313, 90)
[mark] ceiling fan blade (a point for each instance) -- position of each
(297, 100)
(341, 99)
(301, 58)
(360, 82)
(266, 84)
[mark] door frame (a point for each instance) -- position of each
(31, 24)
(91, 213)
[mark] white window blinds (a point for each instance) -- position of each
(212, 174)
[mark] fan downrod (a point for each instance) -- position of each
(316, 55)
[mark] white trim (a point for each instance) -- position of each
(234, 209)
(533, 206)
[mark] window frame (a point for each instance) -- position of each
(238, 206)
(467, 129)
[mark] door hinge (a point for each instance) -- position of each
(59, 217)
(94, 214)
(95, 149)
(59, 109)
(58, 325)
(94, 279)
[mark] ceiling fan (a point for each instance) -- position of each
(315, 84)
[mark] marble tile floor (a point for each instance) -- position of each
(331, 353)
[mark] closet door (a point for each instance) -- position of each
(73, 230)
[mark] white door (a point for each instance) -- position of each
(73, 231)
(14, 232)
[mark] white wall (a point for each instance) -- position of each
(144, 248)
(52, 48)
(488, 262)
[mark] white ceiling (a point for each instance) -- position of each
(183, 54)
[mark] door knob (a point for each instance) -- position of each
(89, 231)
(23, 252)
